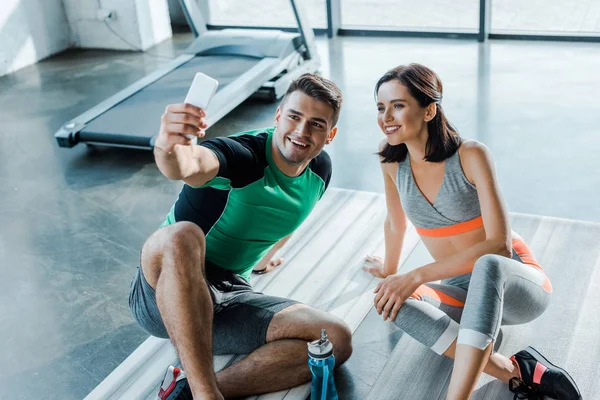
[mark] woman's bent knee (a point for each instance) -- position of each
(488, 264)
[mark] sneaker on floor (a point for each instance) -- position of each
(538, 377)
(174, 386)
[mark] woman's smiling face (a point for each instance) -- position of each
(399, 115)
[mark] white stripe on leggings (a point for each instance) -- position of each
(473, 338)
(446, 339)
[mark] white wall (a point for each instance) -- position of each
(31, 30)
(154, 22)
(142, 23)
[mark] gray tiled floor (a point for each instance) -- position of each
(73, 221)
(373, 343)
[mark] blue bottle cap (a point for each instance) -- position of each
(322, 348)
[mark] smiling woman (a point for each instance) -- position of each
(448, 189)
(419, 92)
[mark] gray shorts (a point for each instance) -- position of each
(241, 315)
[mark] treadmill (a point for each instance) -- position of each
(246, 62)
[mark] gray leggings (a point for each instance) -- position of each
(472, 307)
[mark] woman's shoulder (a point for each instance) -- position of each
(474, 157)
(473, 151)
(471, 146)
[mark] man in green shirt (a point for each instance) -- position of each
(243, 197)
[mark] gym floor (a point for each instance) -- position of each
(73, 220)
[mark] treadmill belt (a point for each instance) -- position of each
(137, 118)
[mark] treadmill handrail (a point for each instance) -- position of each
(193, 16)
(306, 32)
(199, 27)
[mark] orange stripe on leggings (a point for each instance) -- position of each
(525, 254)
(437, 295)
(452, 229)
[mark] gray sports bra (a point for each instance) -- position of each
(455, 210)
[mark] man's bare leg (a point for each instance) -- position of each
(173, 264)
(283, 362)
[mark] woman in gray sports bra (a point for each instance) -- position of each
(487, 275)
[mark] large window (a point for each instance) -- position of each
(422, 15)
(546, 16)
(509, 18)
(275, 13)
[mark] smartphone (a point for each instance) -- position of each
(201, 92)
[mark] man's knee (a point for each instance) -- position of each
(175, 246)
(303, 322)
(341, 336)
(185, 238)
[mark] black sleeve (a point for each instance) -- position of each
(242, 158)
(321, 165)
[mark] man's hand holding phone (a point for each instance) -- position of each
(180, 124)
(183, 123)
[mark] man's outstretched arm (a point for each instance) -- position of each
(176, 155)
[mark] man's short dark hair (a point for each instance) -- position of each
(320, 89)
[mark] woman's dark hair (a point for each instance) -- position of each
(426, 87)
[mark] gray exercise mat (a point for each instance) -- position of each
(323, 268)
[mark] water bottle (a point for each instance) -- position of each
(321, 362)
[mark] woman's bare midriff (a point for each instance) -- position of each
(441, 248)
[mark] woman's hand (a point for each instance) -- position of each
(374, 266)
(392, 292)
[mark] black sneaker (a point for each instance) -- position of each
(174, 386)
(538, 377)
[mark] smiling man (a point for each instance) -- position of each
(243, 197)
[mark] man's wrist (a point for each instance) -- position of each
(158, 150)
